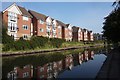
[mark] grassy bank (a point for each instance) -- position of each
(49, 47)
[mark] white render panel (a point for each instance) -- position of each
(48, 20)
(54, 22)
(31, 29)
(79, 30)
(14, 9)
(70, 27)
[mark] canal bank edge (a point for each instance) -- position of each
(110, 68)
(8, 54)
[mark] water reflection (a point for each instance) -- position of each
(52, 69)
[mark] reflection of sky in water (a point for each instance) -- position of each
(66, 67)
(85, 70)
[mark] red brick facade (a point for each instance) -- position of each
(41, 25)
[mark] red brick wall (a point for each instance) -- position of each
(5, 17)
(41, 26)
(75, 36)
(44, 72)
(20, 71)
(20, 24)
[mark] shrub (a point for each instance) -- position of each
(6, 39)
(38, 41)
(56, 42)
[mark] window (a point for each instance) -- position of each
(48, 24)
(41, 69)
(41, 30)
(25, 27)
(26, 74)
(12, 26)
(25, 36)
(25, 18)
(41, 76)
(59, 33)
(12, 16)
(41, 22)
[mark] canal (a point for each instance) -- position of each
(77, 63)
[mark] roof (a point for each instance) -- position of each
(61, 23)
(75, 29)
(67, 25)
(24, 11)
(85, 30)
(37, 15)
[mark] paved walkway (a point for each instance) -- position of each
(111, 67)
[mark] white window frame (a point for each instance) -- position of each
(25, 18)
(41, 69)
(41, 30)
(41, 21)
(25, 27)
(25, 36)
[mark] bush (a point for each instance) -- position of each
(34, 42)
(6, 39)
(56, 42)
(38, 41)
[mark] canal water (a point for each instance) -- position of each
(78, 63)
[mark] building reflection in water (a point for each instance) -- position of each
(25, 72)
(52, 69)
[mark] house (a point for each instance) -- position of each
(68, 32)
(41, 71)
(19, 22)
(57, 67)
(17, 73)
(90, 54)
(80, 34)
(39, 23)
(85, 35)
(91, 36)
(68, 62)
(23, 23)
(75, 33)
(98, 36)
(45, 25)
(49, 70)
(61, 27)
(57, 29)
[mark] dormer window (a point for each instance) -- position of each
(41, 22)
(25, 18)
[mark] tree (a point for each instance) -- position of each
(5, 37)
(111, 28)
(116, 3)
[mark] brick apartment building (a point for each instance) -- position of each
(68, 32)
(75, 33)
(23, 23)
(19, 22)
(17, 73)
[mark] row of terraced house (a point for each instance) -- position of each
(26, 23)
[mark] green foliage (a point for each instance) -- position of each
(112, 26)
(56, 42)
(6, 39)
(33, 43)
(38, 41)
